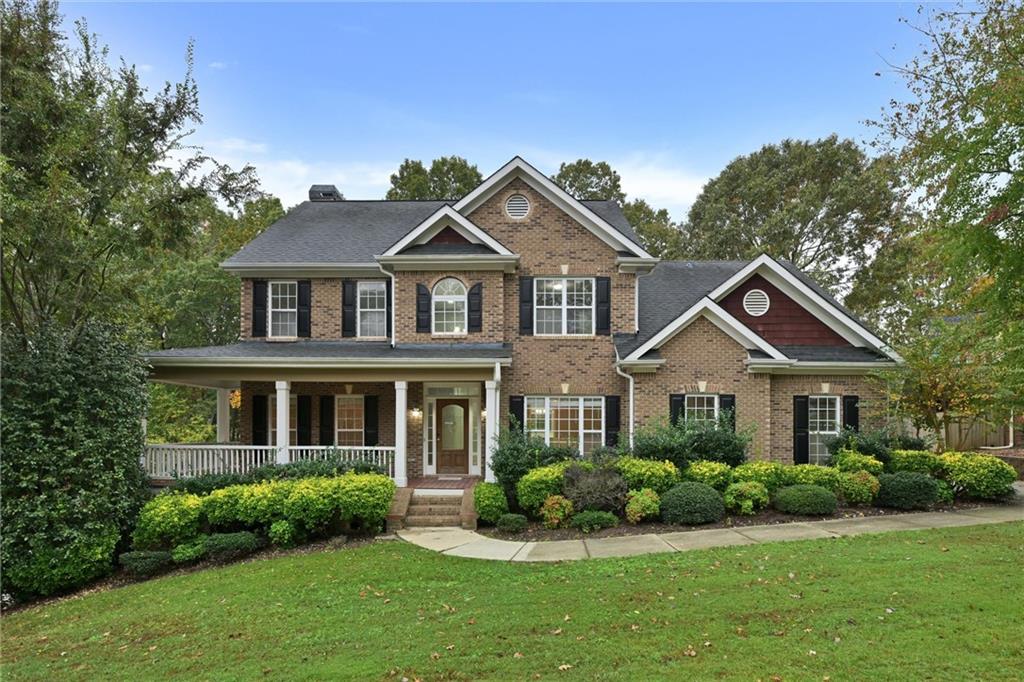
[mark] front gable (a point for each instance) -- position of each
(786, 322)
(447, 226)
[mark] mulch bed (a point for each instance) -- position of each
(536, 532)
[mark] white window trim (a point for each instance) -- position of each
(686, 400)
(271, 309)
(838, 422)
(359, 308)
(565, 307)
(547, 416)
(362, 431)
(450, 298)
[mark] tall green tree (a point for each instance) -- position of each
(658, 234)
(449, 177)
(86, 190)
(823, 205)
(585, 179)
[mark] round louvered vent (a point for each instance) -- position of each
(756, 302)
(517, 206)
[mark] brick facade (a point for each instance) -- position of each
(492, 289)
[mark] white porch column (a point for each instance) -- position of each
(490, 427)
(223, 415)
(282, 421)
(401, 398)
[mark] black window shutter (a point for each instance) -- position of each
(371, 421)
(515, 411)
(526, 306)
(475, 299)
(259, 308)
(801, 444)
(327, 420)
(305, 307)
(422, 309)
(348, 307)
(676, 407)
(304, 420)
(259, 420)
(728, 402)
(603, 324)
(387, 306)
(612, 420)
(851, 412)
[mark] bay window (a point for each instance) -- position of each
(560, 420)
(563, 306)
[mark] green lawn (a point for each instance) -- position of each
(943, 604)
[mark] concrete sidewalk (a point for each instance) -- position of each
(464, 543)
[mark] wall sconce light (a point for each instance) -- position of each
(416, 413)
(483, 414)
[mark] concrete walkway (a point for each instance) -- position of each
(465, 543)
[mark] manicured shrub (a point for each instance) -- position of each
(692, 503)
(312, 504)
(517, 453)
(207, 483)
(490, 502)
(71, 409)
(805, 500)
(848, 460)
(871, 443)
(539, 484)
(642, 504)
(555, 511)
(687, 442)
(190, 552)
(945, 492)
(321, 468)
(715, 474)
(980, 476)
(231, 546)
(907, 490)
(644, 473)
(594, 489)
(858, 487)
(283, 534)
(921, 461)
(146, 563)
(746, 497)
(511, 523)
(167, 520)
(812, 474)
(771, 475)
(591, 520)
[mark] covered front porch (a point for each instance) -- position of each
(418, 424)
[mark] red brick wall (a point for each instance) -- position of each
(493, 302)
(786, 323)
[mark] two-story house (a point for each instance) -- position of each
(416, 329)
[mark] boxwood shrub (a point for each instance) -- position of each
(591, 520)
(692, 503)
(746, 497)
(642, 504)
(284, 534)
(145, 563)
(848, 460)
(511, 523)
(207, 483)
(168, 520)
(191, 551)
(858, 487)
(980, 476)
(715, 474)
(771, 475)
(812, 474)
(539, 484)
(232, 546)
(907, 490)
(645, 473)
(805, 500)
(490, 502)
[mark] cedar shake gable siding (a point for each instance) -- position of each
(786, 323)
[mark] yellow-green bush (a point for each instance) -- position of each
(849, 460)
(976, 475)
(921, 461)
(167, 520)
(490, 502)
(642, 504)
(541, 483)
(715, 474)
(858, 487)
(771, 475)
(812, 474)
(646, 473)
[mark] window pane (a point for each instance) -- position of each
(372, 296)
(701, 408)
(348, 419)
(565, 421)
(822, 422)
(453, 427)
(548, 292)
(549, 321)
(373, 323)
(449, 287)
(449, 317)
(284, 323)
(579, 292)
(535, 416)
(579, 321)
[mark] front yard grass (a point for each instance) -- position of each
(942, 604)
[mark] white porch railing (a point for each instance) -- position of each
(185, 461)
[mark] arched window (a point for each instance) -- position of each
(449, 307)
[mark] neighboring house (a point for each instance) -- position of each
(411, 330)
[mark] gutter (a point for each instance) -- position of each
(326, 363)
(629, 378)
(394, 295)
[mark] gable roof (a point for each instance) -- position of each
(445, 216)
(576, 209)
(352, 232)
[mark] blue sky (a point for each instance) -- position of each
(668, 94)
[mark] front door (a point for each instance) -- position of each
(452, 436)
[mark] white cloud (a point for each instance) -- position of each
(145, 68)
(238, 145)
(662, 183)
(290, 179)
(220, 66)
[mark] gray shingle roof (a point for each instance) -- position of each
(447, 249)
(340, 350)
(356, 231)
(831, 354)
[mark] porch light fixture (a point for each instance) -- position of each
(416, 412)
(483, 414)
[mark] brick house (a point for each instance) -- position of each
(410, 331)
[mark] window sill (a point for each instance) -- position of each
(373, 338)
(282, 339)
(567, 336)
(444, 337)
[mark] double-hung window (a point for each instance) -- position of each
(348, 420)
(293, 419)
(371, 316)
(563, 306)
(558, 420)
(822, 423)
(701, 408)
(284, 308)
(449, 307)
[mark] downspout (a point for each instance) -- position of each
(394, 295)
(629, 378)
(1001, 447)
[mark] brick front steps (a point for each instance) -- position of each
(434, 510)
